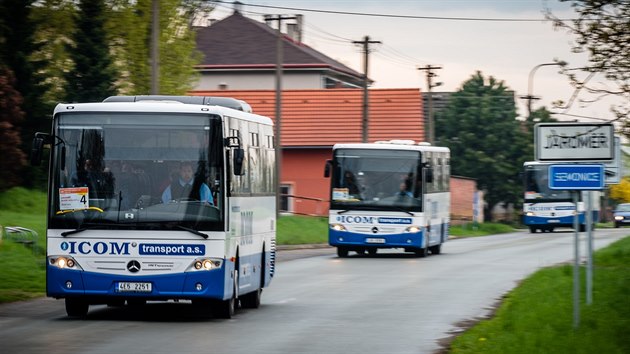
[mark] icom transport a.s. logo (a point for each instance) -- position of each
(133, 266)
(99, 248)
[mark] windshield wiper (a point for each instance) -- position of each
(93, 226)
(76, 231)
(191, 230)
(171, 226)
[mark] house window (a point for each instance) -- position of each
(286, 202)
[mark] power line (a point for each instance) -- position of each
(351, 13)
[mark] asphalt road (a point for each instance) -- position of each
(317, 303)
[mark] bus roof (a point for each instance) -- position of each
(159, 106)
(392, 145)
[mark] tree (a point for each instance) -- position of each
(13, 159)
(621, 192)
(129, 32)
(92, 77)
(17, 53)
(487, 142)
(602, 31)
(53, 35)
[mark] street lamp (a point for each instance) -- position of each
(530, 85)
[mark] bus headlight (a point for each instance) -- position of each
(201, 264)
(413, 229)
(529, 213)
(63, 262)
(618, 217)
(337, 227)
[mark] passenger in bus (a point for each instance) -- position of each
(99, 183)
(183, 187)
(350, 182)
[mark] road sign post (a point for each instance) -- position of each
(576, 177)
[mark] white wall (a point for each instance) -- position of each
(259, 81)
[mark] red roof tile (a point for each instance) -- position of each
(328, 116)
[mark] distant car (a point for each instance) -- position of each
(622, 214)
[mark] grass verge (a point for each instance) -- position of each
(22, 272)
(476, 229)
(299, 229)
(537, 317)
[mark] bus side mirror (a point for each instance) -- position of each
(239, 157)
(428, 174)
(37, 148)
(327, 168)
(36, 151)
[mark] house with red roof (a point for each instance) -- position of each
(322, 105)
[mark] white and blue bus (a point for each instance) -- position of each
(546, 209)
(389, 194)
(115, 234)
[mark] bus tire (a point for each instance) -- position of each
(372, 251)
(227, 308)
(342, 252)
(532, 229)
(252, 300)
(422, 252)
(76, 307)
(437, 249)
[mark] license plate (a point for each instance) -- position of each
(133, 287)
(375, 240)
(554, 221)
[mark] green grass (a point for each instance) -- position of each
(299, 229)
(537, 317)
(22, 272)
(476, 229)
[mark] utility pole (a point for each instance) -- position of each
(366, 51)
(430, 85)
(278, 118)
(155, 47)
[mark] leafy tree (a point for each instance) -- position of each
(55, 20)
(487, 142)
(621, 192)
(92, 78)
(13, 159)
(17, 49)
(129, 31)
(602, 30)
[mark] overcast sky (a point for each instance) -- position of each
(490, 40)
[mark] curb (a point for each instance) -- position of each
(301, 247)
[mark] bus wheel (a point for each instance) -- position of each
(76, 307)
(422, 252)
(342, 252)
(251, 300)
(532, 229)
(372, 251)
(227, 308)
(437, 249)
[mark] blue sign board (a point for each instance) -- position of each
(577, 177)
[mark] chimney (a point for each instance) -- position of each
(294, 30)
(238, 7)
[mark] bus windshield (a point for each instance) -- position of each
(537, 186)
(146, 171)
(381, 179)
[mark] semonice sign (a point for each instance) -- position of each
(574, 142)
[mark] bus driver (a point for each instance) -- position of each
(182, 187)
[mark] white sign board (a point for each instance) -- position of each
(574, 142)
